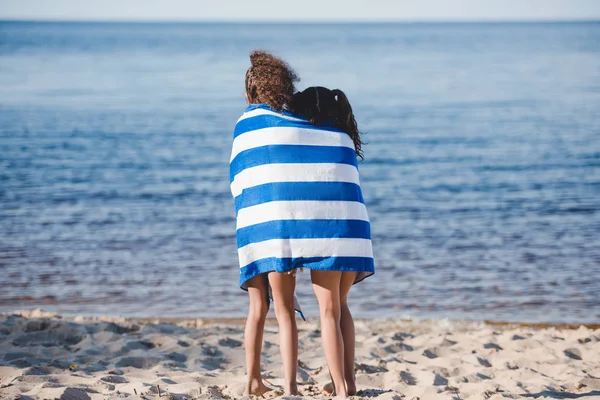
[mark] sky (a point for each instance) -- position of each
(302, 10)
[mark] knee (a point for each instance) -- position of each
(259, 309)
(284, 309)
(344, 309)
(330, 311)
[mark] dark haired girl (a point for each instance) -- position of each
(331, 109)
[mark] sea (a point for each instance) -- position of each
(481, 172)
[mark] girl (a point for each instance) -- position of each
(298, 204)
(332, 281)
(269, 86)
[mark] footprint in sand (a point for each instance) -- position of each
(370, 369)
(229, 342)
(178, 357)
(114, 379)
(408, 378)
(398, 347)
(447, 343)
(402, 336)
(430, 353)
(572, 353)
(138, 362)
(137, 345)
(492, 346)
(210, 350)
(483, 362)
(439, 380)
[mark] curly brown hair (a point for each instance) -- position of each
(269, 80)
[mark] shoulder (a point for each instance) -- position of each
(259, 116)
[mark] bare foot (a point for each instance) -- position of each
(256, 387)
(329, 389)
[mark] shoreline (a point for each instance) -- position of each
(46, 355)
(271, 321)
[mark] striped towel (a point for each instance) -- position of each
(297, 197)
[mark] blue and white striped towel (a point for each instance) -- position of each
(297, 197)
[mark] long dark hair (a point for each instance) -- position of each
(320, 106)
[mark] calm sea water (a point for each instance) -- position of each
(482, 170)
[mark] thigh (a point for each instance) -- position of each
(283, 286)
(346, 283)
(258, 289)
(326, 285)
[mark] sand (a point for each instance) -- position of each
(46, 356)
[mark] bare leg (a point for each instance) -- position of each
(253, 334)
(348, 334)
(326, 285)
(283, 286)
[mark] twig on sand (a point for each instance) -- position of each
(158, 388)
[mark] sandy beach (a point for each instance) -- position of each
(47, 356)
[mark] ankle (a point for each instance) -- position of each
(254, 382)
(291, 389)
(351, 387)
(340, 389)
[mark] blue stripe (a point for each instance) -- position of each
(297, 191)
(271, 121)
(291, 154)
(304, 229)
(344, 264)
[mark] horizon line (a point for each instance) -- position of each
(303, 21)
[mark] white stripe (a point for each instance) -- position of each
(261, 111)
(301, 210)
(293, 248)
(289, 135)
(270, 173)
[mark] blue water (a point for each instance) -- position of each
(482, 169)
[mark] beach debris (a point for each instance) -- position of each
(73, 367)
